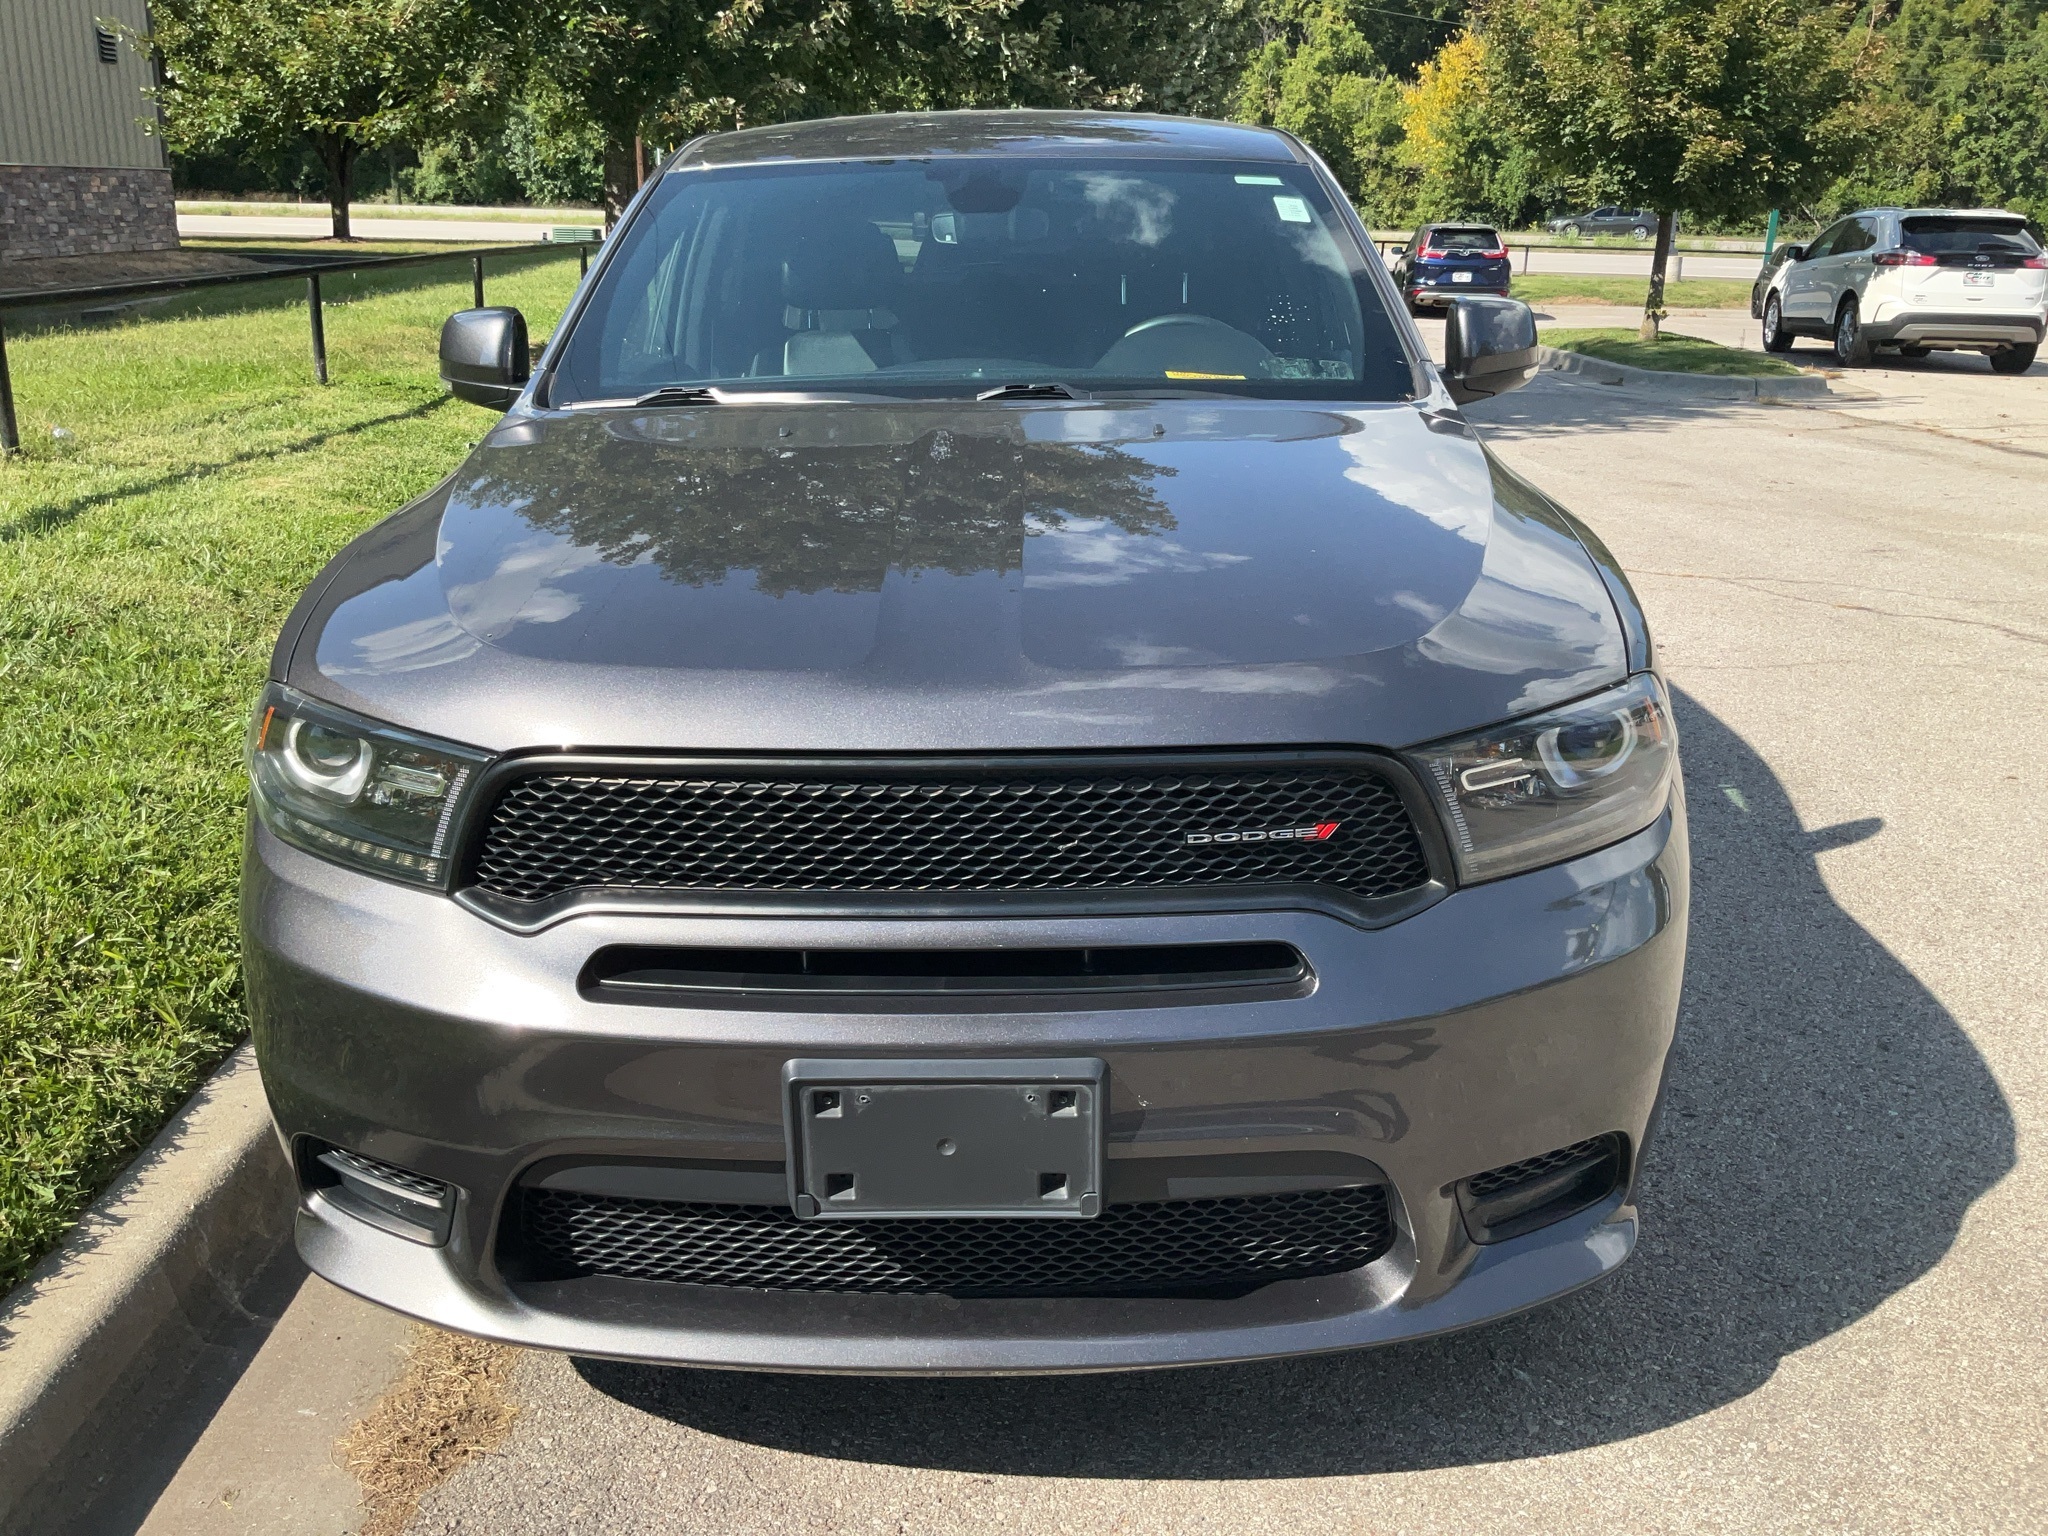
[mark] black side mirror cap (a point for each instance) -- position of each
(484, 356)
(1489, 348)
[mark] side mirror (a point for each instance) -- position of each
(1489, 348)
(1795, 253)
(484, 357)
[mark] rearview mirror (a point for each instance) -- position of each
(1489, 348)
(484, 356)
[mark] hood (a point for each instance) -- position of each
(964, 577)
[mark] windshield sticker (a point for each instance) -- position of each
(1258, 181)
(1292, 210)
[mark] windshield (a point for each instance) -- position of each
(1967, 237)
(956, 276)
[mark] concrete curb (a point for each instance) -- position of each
(1689, 386)
(122, 1312)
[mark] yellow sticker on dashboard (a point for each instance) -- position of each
(1172, 373)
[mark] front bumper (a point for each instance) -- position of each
(1507, 1020)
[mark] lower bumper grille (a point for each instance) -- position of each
(1163, 1248)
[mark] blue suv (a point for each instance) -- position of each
(1449, 261)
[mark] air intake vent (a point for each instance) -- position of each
(1132, 976)
(1163, 1248)
(1519, 1197)
(992, 829)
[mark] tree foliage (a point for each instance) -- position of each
(1966, 86)
(341, 76)
(1469, 164)
(1717, 107)
(1319, 78)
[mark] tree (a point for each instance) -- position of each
(1318, 78)
(341, 76)
(1470, 165)
(680, 67)
(1968, 82)
(1723, 108)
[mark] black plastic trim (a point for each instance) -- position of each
(977, 980)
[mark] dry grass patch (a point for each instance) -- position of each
(451, 1404)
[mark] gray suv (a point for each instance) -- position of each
(981, 773)
(1636, 223)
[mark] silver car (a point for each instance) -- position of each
(981, 773)
(1915, 280)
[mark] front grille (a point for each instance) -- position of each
(1063, 828)
(1151, 1249)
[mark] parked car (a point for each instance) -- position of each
(1915, 280)
(1638, 223)
(1442, 261)
(1780, 254)
(982, 773)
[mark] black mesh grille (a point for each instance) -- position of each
(1496, 1179)
(1170, 1246)
(1049, 830)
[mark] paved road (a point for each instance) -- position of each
(254, 226)
(1838, 1319)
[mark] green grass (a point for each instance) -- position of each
(1669, 353)
(1571, 288)
(146, 562)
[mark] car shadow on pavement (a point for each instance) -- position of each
(1827, 1127)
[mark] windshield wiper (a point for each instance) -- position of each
(681, 394)
(1028, 392)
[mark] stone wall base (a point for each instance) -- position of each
(69, 210)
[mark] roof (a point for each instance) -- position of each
(917, 135)
(1954, 213)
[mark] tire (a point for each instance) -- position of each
(1852, 347)
(2014, 359)
(1776, 337)
(1641, 231)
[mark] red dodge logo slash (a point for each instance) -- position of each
(1320, 832)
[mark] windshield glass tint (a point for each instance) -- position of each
(1462, 240)
(1966, 237)
(962, 275)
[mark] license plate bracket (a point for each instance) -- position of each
(883, 1138)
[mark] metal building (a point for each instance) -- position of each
(79, 174)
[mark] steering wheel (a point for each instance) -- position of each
(1195, 346)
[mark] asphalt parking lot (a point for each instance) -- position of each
(1838, 1319)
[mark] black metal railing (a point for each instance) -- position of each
(311, 271)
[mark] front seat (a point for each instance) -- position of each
(841, 286)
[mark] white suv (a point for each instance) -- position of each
(1918, 279)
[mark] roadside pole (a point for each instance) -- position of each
(1770, 236)
(10, 435)
(319, 328)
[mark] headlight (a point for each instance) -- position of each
(357, 792)
(1555, 785)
